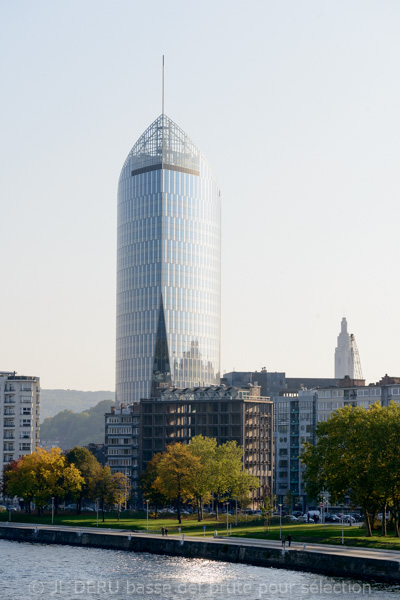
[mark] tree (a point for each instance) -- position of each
(205, 449)
(289, 500)
(241, 488)
(8, 467)
(146, 483)
(267, 509)
(356, 453)
(229, 479)
(102, 489)
(43, 475)
(88, 466)
(121, 490)
(176, 470)
(76, 429)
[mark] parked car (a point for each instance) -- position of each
(330, 518)
(302, 519)
(381, 515)
(348, 518)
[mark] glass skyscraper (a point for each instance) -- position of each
(168, 266)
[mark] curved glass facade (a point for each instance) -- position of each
(168, 266)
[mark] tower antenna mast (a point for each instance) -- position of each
(163, 78)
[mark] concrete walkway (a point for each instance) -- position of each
(378, 554)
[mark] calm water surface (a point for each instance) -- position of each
(30, 571)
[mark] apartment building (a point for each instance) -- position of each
(297, 415)
(20, 415)
(122, 442)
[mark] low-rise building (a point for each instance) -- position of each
(20, 415)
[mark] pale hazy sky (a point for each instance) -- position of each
(297, 107)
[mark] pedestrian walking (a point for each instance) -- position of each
(289, 539)
(283, 541)
(162, 531)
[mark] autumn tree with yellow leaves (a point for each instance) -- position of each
(43, 475)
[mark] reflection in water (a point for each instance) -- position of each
(65, 573)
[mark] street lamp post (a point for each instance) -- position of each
(280, 521)
(342, 524)
(52, 510)
(326, 510)
(227, 521)
(147, 515)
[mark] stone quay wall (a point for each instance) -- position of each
(377, 569)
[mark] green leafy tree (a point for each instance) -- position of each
(102, 490)
(289, 500)
(356, 453)
(88, 466)
(267, 509)
(205, 449)
(176, 470)
(72, 429)
(229, 479)
(147, 480)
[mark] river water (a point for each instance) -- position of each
(44, 572)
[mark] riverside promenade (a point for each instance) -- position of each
(359, 563)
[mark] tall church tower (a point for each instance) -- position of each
(343, 357)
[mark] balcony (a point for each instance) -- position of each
(9, 400)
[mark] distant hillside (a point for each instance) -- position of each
(69, 429)
(54, 401)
